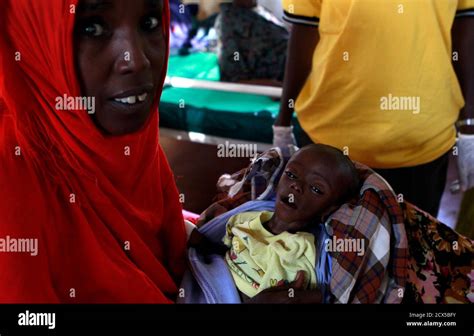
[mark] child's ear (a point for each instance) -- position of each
(328, 212)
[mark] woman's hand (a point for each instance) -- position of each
(293, 293)
(283, 136)
(204, 246)
(213, 211)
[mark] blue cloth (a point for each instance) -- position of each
(180, 25)
(212, 282)
(323, 261)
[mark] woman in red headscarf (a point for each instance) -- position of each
(89, 210)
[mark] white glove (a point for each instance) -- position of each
(283, 136)
(466, 160)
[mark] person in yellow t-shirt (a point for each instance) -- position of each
(376, 79)
(266, 249)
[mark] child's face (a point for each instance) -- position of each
(120, 47)
(309, 188)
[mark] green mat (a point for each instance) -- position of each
(221, 101)
(226, 114)
(195, 66)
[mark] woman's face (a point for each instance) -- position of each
(120, 49)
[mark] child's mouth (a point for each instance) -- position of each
(289, 202)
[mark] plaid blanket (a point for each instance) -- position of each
(375, 217)
(379, 275)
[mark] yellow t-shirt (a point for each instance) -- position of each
(382, 84)
(258, 259)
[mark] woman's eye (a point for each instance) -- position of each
(316, 190)
(150, 23)
(93, 29)
(290, 175)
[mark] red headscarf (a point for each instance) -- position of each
(109, 225)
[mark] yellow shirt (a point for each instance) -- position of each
(259, 259)
(382, 85)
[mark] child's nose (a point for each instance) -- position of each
(296, 186)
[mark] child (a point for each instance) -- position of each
(266, 249)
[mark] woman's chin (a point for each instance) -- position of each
(122, 125)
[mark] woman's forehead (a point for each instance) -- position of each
(103, 5)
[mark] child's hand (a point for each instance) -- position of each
(204, 246)
(281, 294)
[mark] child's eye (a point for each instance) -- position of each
(91, 29)
(290, 175)
(316, 190)
(150, 23)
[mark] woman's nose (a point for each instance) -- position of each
(131, 57)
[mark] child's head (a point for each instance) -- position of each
(316, 181)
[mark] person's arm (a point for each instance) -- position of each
(285, 296)
(302, 43)
(463, 44)
(294, 293)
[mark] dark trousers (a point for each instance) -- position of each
(421, 185)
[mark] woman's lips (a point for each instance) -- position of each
(133, 92)
(133, 101)
(139, 108)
